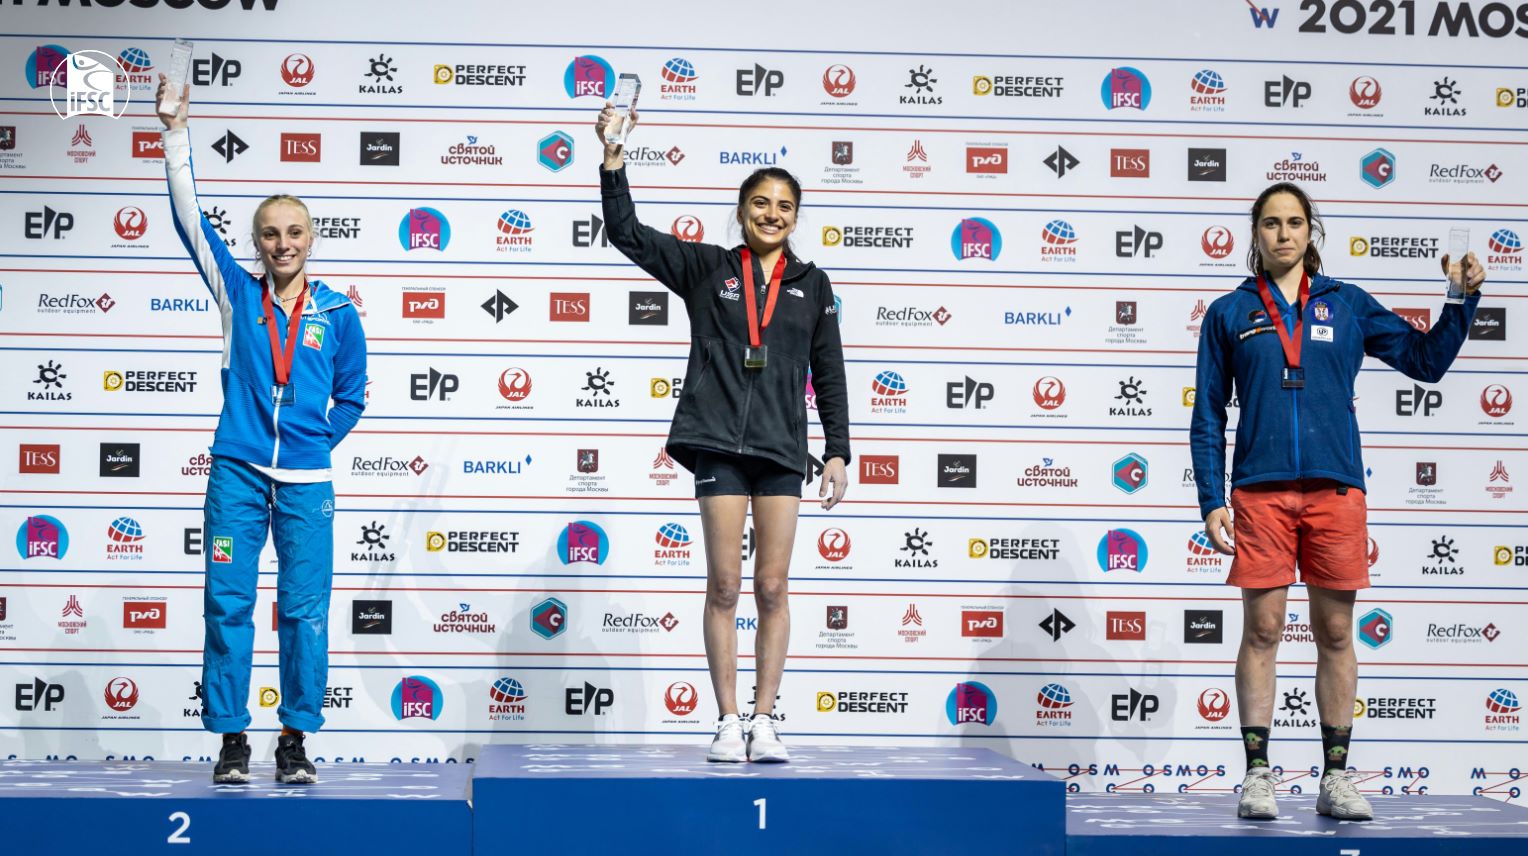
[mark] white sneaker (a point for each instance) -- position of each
(729, 745)
(1257, 802)
(1340, 798)
(764, 740)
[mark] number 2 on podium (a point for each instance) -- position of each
(763, 804)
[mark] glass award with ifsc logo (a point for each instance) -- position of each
(1458, 247)
(627, 88)
(178, 73)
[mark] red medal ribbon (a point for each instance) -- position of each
(283, 361)
(755, 329)
(1291, 343)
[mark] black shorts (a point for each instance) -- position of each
(718, 474)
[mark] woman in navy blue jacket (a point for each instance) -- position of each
(1292, 341)
(290, 346)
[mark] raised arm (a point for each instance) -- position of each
(677, 264)
(1421, 356)
(207, 250)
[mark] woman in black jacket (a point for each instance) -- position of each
(760, 321)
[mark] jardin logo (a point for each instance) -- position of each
(416, 696)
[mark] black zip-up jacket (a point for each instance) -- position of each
(725, 407)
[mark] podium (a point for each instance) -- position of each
(159, 807)
(1173, 824)
(667, 799)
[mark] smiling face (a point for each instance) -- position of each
(768, 215)
(284, 234)
(1283, 233)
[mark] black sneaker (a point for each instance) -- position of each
(232, 767)
(292, 764)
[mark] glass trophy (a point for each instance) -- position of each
(1458, 247)
(627, 88)
(179, 71)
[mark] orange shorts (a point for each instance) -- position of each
(1318, 524)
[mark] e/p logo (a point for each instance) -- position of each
(588, 699)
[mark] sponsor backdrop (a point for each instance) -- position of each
(1024, 212)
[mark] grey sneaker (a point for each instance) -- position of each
(1340, 798)
(1257, 802)
(729, 745)
(764, 740)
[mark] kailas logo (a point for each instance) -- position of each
(976, 238)
(424, 229)
(1125, 87)
(588, 75)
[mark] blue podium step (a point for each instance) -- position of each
(667, 799)
(1174, 824)
(157, 807)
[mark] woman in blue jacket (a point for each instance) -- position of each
(1293, 341)
(290, 346)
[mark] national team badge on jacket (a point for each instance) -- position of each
(732, 285)
(313, 336)
(1321, 310)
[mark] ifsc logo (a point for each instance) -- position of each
(588, 75)
(424, 228)
(85, 83)
(416, 696)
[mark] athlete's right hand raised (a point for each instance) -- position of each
(176, 118)
(613, 156)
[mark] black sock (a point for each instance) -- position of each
(233, 738)
(1334, 747)
(1255, 741)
